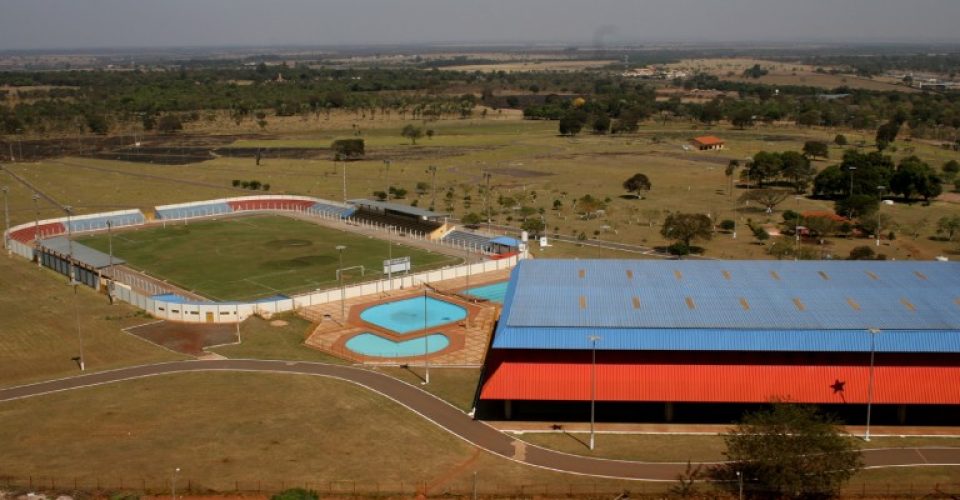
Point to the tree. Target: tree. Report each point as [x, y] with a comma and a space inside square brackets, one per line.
[913, 176]
[412, 132]
[685, 228]
[862, 252]
[168, 124]
[572, 122]
[948, 226]
[840, 140]
[742, 118]
[951, 169]
[886, 134]
[350, 149]
[471, 219]
[858, 205]
[767, 198]
[812, 149]
[637, 183]
[534, 226]
[601, 123]
[764, 166]
[732, 167]
[97, 124]
[798, 169]
[820, 226]
[786, 451]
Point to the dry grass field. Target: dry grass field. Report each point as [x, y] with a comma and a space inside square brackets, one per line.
[534, 65]
[783, 73]
[229, 429]
[315, 429]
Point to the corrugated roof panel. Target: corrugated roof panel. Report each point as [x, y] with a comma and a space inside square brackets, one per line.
[570, 381]
[540, 286]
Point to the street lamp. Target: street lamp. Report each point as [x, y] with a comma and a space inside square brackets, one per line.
[593, 385]
[173, 484]
[879, 195]
[343, 291]
[873, 334]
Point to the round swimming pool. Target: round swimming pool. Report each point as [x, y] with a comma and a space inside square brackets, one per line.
[405, 316]
[373, 345]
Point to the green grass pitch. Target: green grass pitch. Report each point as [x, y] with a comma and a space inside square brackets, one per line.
[246, 258]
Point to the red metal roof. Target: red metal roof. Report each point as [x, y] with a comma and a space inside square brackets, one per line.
[707, 383]
[707, 140]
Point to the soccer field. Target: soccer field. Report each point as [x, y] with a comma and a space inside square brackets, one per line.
[247, 258]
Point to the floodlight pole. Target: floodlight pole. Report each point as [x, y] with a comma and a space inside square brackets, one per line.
[173, 484]
[110, 246]
[593, 386]
[851, 169]
[486, 197]
[386, 177]
[426, 340]
[796, 232]
[6, 220]
[74, 283]
[879, 195]
[873, 333]
[740, 484]
[36, 228]
[390, 256]
[343, 164]
[343, 291]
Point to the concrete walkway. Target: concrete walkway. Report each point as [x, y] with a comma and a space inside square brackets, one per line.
[450, 418]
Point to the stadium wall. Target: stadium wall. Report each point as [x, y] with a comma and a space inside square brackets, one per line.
[18, 240]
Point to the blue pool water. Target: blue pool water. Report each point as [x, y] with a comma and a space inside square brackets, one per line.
[373, 345]
[493, 293]
[405, 316]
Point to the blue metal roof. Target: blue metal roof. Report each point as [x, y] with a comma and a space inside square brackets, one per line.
[732, 305]
[505, 241]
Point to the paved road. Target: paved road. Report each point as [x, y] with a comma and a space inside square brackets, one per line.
[449, 418]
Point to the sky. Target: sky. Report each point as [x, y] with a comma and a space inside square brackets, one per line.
[77, 24]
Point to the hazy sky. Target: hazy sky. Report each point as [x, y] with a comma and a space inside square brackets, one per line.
[42, 24]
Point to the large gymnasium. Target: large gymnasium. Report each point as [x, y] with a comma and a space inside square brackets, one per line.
[666, 341]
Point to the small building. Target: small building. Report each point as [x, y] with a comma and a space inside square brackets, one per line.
[707, 143]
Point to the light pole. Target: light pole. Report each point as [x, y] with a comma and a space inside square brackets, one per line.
[873, 334]
[343, 164]
[879, 195]
[426, 340]
[740, 484]
[74, 283]
[343, 291]
[432, 169]
[390, 256]
[486, 197]
[36, 228]
[6, 220]
[173, 484]
[796, 232]
[386, 177]
[851, 169]
[110, 246]
[593, 386]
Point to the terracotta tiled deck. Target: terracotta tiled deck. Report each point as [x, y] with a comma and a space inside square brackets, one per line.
[468, 338]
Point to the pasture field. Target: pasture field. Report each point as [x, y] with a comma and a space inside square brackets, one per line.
[246, 258]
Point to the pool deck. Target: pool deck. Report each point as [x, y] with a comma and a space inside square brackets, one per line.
[469, 338]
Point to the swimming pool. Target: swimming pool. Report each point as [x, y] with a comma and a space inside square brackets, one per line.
[373, 345]
[405, 316]
[493, 293]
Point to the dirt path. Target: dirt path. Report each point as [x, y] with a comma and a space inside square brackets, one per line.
[450, 418]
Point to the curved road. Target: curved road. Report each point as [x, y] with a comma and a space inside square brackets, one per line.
[449, 418]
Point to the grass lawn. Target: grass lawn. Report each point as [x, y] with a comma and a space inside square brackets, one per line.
[225, 429]
[680, 448]
[250, 257]
[38, 329]
[261, 340]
